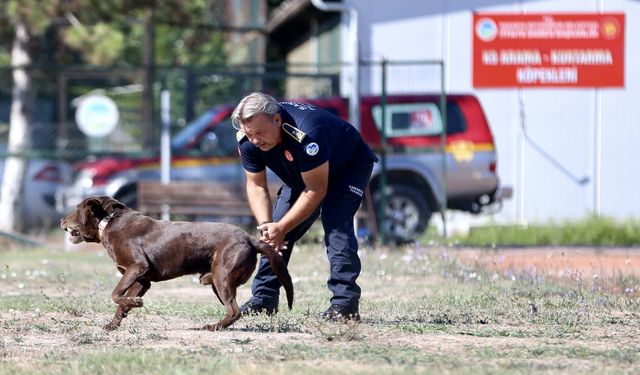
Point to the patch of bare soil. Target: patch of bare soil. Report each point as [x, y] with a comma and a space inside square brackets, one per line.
[560, 261]
[33, 336]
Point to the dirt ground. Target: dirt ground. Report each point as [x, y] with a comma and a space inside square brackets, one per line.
[558, 262]
[34, 334]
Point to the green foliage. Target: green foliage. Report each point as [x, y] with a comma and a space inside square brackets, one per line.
[592, 231]
[37, 14]
[101, 43]
[104, 33]
[180, 46]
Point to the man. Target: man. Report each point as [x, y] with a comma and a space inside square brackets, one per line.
[325, 166]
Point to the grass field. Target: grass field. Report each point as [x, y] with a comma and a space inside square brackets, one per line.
[424, 310]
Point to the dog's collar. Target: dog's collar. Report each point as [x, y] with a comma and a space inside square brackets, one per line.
[102, 225]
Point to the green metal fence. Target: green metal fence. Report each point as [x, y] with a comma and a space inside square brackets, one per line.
[386, 78]
[57, 91]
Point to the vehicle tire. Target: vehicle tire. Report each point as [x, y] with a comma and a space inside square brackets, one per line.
[407, 212]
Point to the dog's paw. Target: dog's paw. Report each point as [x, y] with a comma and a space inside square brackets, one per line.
[111, 326]
[212, 327]
[136, 302]
[130, 302]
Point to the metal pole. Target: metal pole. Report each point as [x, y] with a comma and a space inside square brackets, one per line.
[148, 61]
[354, 54]
[443, 149]
[522, 142]
[382, 209]
[522, 155]
[597, 164]
[165, 146]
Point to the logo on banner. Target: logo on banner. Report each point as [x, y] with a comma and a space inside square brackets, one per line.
[486, 29]
[610, 28]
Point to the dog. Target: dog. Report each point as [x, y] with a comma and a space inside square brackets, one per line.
[146, 250]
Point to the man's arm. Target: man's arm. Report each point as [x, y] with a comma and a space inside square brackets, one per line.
[316, 181]
[258, 195]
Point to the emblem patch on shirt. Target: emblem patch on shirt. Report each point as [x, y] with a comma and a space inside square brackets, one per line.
[288, 155]
[294, 132]
[312, 149]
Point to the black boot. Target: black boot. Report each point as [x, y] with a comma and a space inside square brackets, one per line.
[253, 308]
[339, 313]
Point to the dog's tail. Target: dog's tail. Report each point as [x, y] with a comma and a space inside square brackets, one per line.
[278, 265]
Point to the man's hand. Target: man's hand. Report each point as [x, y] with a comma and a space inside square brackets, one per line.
[273, 234]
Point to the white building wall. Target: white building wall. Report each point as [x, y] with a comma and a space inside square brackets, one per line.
[554, 175]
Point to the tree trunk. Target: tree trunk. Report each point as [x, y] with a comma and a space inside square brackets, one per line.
[15, 168]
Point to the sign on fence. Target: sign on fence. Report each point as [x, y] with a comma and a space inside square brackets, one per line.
[542, 50]
[97, 115]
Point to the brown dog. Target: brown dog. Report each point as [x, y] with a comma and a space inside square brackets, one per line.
[145, 250]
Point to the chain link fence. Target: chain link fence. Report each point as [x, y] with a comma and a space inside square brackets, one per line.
[194, 91]
[58, 91]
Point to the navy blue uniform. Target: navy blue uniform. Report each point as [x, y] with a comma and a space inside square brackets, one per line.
[312, 136]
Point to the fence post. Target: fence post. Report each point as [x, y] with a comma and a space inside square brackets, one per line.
[443, 149]
[165, 156]
[383, 158]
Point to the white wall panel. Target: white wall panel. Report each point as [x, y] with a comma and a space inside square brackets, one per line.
[562, 122]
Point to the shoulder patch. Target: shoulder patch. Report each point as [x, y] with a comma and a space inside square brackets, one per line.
[239, 135]
[312, 149]
[294, 132]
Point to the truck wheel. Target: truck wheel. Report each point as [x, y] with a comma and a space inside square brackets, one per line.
[407, 212]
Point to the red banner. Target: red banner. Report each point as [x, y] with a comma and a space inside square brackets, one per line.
[543, 50]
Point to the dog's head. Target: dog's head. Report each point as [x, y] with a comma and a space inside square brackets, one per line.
[83, 223]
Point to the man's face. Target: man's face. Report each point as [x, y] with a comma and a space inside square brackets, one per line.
[263, 130]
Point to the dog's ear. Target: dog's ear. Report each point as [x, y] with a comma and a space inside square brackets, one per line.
[95, 206]
[112, 205]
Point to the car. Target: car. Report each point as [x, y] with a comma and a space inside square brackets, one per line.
[419, 175]
[43, 178]
[203, 150]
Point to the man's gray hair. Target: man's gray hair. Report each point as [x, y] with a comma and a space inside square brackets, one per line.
[254, 104]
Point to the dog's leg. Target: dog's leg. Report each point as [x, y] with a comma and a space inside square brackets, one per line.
[138, 289]
[130, 276]
[227, 295]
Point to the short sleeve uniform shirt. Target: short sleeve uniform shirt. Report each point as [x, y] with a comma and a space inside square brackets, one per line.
[311, 136]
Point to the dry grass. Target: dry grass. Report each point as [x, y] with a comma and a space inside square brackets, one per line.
[425, 310]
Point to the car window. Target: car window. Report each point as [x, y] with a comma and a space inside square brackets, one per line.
[456, 122]
[184, 137]
[419, 119]
[409, 119]
[227, 144]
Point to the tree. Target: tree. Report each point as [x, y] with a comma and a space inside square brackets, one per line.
[100, 33]
[26, 22]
